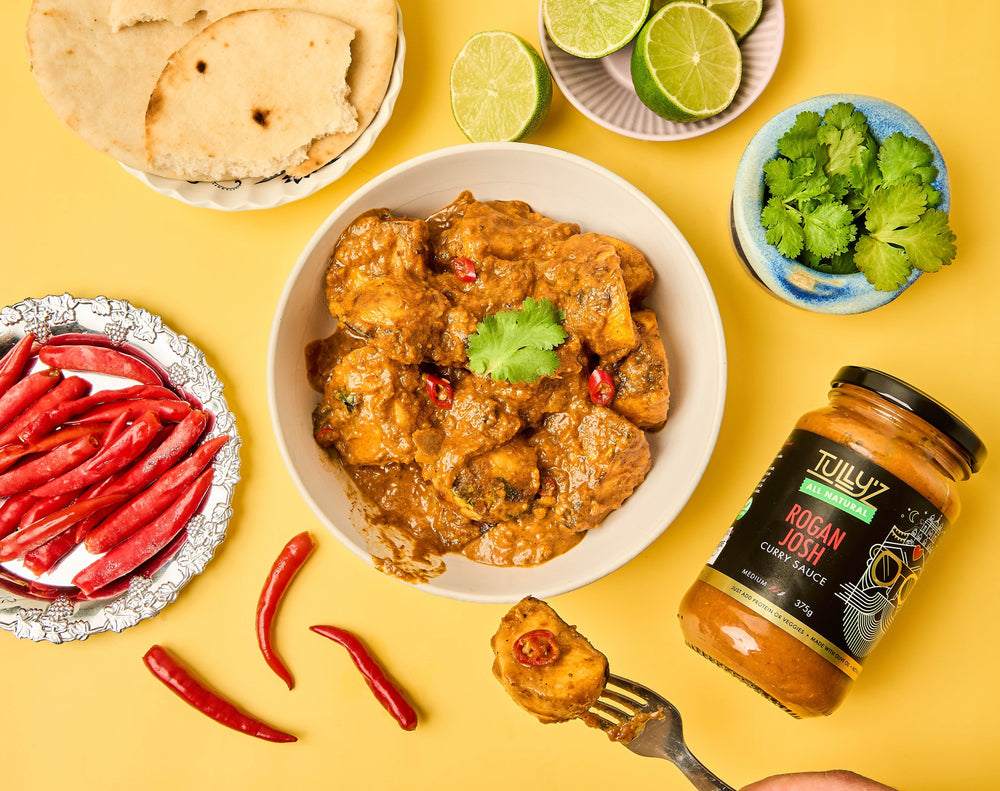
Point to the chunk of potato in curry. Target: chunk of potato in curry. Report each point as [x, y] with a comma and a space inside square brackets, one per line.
[562, 690]
[517, 471]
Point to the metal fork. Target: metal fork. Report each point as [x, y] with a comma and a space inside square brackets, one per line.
[653, 726]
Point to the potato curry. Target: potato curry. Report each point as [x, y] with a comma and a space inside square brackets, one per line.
[488, 383]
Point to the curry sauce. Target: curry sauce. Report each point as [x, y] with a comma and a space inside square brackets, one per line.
[831, 542]
[505, 471]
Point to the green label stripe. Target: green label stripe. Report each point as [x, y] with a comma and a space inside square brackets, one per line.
[848, 505]
[783, 620]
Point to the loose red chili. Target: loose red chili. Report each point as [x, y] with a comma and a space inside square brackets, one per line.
[387, 693]
[602, 388]
[180, 681]
[465, 268]
[535, 648]
[287, 564]
[440, 391]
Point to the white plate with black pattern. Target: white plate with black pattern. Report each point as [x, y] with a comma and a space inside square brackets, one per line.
[46, 607]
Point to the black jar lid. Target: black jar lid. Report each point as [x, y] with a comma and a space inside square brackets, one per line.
[920, 404]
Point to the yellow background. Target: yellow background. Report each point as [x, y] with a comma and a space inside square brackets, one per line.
[922, 715]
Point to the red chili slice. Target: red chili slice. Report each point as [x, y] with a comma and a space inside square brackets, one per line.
[535, 648]
[440, 391]
[465, 269]
[602, 388]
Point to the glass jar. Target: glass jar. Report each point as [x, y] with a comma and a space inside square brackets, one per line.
[829, 545]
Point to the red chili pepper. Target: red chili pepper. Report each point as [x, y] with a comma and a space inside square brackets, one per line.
[535, 648]
[47, 466]
[13, 362]
[151, 502]
[147, 569]
[34, 535]
[180, 681]
[22, 394]
[69, 388]
[387, 693]
[112, 457]
[602, 388]
[169, 410]
[12, 510]
[67, 410]
[440, 391]
[155, 461]
[286, 565]
[9, 454]
[98, 359]
[465, 268]
[146, 542]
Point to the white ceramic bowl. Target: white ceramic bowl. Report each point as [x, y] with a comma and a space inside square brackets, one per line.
[789, 280]
[564, 187]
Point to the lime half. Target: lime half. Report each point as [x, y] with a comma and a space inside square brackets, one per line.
[500, 88]
[593, 28]
[740, 15]
[686, 64]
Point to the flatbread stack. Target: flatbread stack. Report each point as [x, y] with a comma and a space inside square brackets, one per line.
[213, 90]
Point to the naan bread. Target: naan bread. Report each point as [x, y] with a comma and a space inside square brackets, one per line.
[124, 13]
[248, 95]
[96, 80]
[99, 80]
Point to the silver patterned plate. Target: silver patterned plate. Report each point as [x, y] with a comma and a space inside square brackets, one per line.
[56, 615]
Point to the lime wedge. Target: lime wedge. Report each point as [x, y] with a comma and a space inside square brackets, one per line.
[500, 88]
[686, 64]
[593, 28]
[740, 15]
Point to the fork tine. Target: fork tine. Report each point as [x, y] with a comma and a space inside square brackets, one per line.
[607, 708]
[602, 723]
[644, 694]
[621, 699]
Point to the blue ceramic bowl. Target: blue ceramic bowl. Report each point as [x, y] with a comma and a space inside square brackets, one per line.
[787, 279]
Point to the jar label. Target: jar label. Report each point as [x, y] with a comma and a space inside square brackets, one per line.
[827, 548]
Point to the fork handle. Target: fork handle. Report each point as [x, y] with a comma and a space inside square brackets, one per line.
[695, 771]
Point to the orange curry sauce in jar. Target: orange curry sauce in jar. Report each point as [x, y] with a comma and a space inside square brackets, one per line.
[829, 545]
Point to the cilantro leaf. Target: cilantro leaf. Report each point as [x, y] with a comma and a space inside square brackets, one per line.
[929, 243]
[798, 181]
[845, 148]
[895, 206]
[783, 228]
[844, 116]
[829, 229]
[863, 177]
[885, 266]
[902, 157]
[518, 345]
[800, 140]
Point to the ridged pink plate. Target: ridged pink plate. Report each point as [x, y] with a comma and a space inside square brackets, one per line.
[602, 90]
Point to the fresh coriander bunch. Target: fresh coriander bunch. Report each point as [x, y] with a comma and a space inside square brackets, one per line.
[839, 201]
